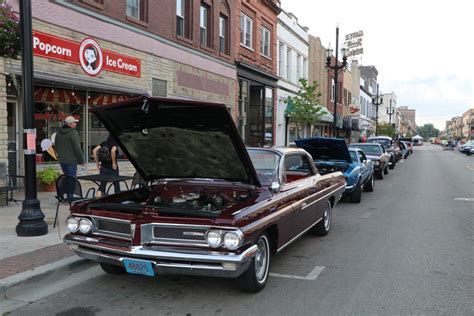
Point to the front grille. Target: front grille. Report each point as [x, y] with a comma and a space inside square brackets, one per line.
[114, 228]
[174, 234]
[179, 233]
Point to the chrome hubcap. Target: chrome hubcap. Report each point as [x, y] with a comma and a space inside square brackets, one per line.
[261, 260]
[327, 218]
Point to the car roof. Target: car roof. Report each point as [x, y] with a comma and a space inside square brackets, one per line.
[364, 144]
[380, 137]
[281, 150]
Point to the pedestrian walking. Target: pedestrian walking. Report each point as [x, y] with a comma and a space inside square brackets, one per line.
[68, 147]
[105, 157]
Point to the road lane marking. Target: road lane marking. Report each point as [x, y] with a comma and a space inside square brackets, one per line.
[464, 199]
[310, 277]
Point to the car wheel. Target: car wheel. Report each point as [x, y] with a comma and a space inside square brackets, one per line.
[468, 153]
[380, 174]
[256, 276]
[369, 186]
[112, 269]
[322, 228]
[385, 171]
[393, 164]
[356, 195]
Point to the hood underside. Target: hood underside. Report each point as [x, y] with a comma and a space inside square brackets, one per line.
[322, 148]
[167, 138]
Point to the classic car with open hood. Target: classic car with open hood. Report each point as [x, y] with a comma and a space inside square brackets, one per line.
[332, 154]
[377, 154]
[210, 207]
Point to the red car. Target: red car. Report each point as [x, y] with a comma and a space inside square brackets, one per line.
[210, 207]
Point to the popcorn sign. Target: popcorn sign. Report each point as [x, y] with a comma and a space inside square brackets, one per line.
[88, 54]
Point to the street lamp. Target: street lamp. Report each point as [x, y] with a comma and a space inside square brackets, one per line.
[390, 112]
[31, 217]
[336, 67]
[377, 101]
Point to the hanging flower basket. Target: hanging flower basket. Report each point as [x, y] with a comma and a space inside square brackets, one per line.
[9, 31]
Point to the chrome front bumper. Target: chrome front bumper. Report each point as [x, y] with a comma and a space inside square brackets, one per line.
[164, 261]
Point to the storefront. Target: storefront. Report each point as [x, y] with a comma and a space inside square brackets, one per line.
[256, 106]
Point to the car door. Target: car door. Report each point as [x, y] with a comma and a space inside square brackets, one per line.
[301, 179]
[364, 169]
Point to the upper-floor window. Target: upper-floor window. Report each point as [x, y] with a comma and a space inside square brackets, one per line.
[205, 26]
[288, 64]
[281, 58]
[137, 9]
[183, 18]
[246, 26]
[223, 34]
[333, 89]
[298, 67]
[305, 68]
[265, 42]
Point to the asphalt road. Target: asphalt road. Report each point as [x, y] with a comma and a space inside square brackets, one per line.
[408, 248]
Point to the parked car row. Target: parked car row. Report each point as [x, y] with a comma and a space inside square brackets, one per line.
[208, 205]
[467, 148]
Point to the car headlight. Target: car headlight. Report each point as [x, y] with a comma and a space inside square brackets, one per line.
[214, 238]
[85, 226]
[232, 240]
[72, 224]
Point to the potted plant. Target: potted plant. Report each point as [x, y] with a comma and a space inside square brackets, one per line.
[9, 31]
[48, 177]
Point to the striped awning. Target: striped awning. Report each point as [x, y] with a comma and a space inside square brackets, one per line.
[107, 98]
[43, 94]
[355, 124]
[347, 123]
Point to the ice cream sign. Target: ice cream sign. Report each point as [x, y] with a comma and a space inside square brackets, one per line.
[88, 54]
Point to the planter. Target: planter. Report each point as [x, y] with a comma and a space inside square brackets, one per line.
[49, 187]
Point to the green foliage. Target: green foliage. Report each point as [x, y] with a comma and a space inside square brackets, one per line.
[386, 129]
[9, 32]
[306, 109]
[427, 131]
[48, 175]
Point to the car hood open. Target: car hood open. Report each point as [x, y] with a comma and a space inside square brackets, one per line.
[323, 148]
[172, 138]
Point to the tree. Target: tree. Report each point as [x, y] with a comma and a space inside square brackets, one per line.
[305, 109]
[386, 129]
[427, 131]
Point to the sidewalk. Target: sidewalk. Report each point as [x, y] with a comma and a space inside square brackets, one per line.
[22, 259]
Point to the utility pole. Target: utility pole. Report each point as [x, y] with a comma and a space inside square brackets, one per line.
[31, 217]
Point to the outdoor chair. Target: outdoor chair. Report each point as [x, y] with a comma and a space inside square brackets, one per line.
[12, 183]
[68, 191]
[137, 181]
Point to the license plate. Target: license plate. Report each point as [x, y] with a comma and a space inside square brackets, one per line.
[139, 267]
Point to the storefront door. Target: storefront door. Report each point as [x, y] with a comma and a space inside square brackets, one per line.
[12, 141]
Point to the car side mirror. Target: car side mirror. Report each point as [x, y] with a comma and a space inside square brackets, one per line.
[275, 187]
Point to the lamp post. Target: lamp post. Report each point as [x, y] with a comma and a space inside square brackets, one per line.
[31, 217]
[336, 67]
[377, 101]
[390, 112]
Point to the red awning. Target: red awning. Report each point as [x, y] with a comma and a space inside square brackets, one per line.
[106, 98]
[43, 94]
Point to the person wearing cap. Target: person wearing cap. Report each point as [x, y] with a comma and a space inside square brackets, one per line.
[68, 147]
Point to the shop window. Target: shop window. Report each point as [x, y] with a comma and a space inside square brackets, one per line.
[159, 87]
[137, 9]
[265, 42]
[205, 26]
[224, 35]
[52, 106]
[183, 18]
[246, 27]
[268, 117]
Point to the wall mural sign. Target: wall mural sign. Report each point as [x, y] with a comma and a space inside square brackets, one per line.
[353, 42]
[88, 54]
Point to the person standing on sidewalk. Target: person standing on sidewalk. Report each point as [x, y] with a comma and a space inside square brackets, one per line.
[68, 147]
[105, 156]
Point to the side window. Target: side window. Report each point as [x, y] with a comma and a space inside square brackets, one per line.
[297, 167]
[361, 156]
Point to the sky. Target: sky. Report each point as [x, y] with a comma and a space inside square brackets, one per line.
[422, 49]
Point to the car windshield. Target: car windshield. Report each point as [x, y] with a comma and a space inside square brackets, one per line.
[266, 164]
[369, 150]
[353, 155]
[381, 141]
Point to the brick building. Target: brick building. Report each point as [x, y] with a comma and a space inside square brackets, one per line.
[95, 52]
[255, 42]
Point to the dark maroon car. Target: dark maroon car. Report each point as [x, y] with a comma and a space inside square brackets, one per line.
[210, 207]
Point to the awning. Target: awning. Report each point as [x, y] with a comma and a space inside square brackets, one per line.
[107, 98]
[43, 94]
[347, 123]
[355, 124]
[290, 107]
[325, 116]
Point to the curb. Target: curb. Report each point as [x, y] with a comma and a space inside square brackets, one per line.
[30, 275]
